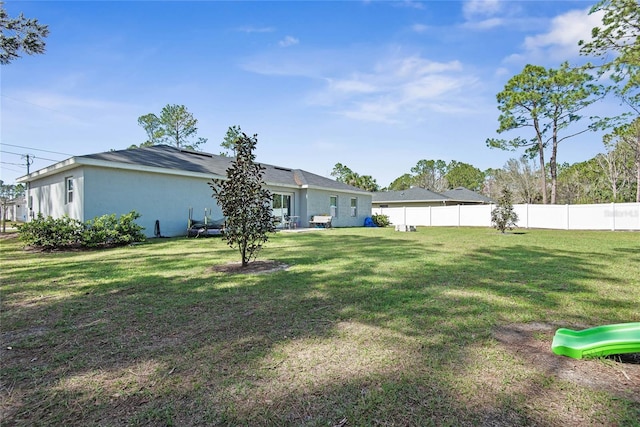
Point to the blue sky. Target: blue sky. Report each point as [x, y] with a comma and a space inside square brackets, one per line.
[374, 85]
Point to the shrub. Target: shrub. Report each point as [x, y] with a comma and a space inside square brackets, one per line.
[100, 231]
[127, 230]
[49, 233]
[381, 220]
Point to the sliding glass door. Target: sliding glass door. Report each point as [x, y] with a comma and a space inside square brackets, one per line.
[281, 204]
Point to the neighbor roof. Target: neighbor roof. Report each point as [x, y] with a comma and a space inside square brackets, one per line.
[168, 158]
[462, 194]
[415, 194]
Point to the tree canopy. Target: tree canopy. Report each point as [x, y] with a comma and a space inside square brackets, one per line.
[438, 176]
[19, 35]
[617, 43]
[344, 174]
[229, 141]
[464, 175]
[548, 101]
[175, 126]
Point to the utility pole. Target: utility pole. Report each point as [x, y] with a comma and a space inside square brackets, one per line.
[27, 196]
[29, 160]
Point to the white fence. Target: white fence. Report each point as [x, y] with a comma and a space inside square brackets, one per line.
[611, 216]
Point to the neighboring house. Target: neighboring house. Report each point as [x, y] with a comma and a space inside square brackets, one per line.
[421, 197]
[163, 183]
[411, 197]
[17, 209]
[464, 196]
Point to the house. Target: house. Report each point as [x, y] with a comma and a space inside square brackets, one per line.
[164, 183]
[421, 197]
[419, 206]
[411, 197]
[464, 196]
[16, 209]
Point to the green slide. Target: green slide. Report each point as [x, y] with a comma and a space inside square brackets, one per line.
[599, 341]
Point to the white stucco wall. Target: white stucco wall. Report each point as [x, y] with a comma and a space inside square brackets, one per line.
[318, 204]
[155, 196]
[47, 195]
[167, 197]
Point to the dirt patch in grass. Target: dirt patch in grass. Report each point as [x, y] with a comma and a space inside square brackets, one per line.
[619, 375]
[255, 267]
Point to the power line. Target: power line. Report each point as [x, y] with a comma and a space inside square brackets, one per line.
[38, 105]
[37, 149]
[20, 154]
[4, 168]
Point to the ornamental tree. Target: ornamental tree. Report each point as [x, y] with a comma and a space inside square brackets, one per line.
[245, 203]
[503, 217]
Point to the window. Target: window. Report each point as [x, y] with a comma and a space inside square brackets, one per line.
[68, 184]
[333, 206]
[281, 204]
[354, 206]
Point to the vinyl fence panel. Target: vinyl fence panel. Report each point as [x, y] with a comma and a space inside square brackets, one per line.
[609, 216]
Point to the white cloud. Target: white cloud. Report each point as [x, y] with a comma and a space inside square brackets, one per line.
[560, 41]
[483, 14]
[251, 29]
[288, 41]
[397, 89]
[485, 24]
[481, 8]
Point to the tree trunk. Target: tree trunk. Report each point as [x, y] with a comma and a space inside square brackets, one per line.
[543, 177]
[553, 167]
[637, 169]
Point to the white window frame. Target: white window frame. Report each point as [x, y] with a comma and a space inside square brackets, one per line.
[333, 208]
[68, 189]
[354, 207]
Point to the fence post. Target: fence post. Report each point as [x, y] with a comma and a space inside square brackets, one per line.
[459, 215]
[613, 216]
[567, 214]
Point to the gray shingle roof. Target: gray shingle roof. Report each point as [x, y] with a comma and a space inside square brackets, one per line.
[415, 194]
[168, 157]
[462, 194]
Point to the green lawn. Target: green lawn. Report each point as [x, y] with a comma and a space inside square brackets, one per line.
[444, 326]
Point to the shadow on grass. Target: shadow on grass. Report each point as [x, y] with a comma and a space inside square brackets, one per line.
[367, 327]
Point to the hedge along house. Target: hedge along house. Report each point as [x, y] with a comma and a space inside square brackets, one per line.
[162, 183]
